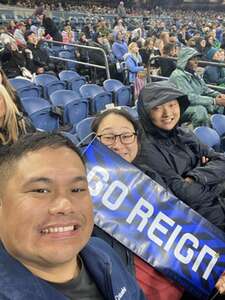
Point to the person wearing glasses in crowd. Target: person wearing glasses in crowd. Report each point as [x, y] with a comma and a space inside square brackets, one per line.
[120, 132]
[116, 129]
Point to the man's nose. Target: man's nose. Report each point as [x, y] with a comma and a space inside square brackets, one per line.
[61, 205]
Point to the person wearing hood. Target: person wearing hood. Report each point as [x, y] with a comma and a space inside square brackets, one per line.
[203, 100]
[215, 74]
[119, 47]
[191, 170]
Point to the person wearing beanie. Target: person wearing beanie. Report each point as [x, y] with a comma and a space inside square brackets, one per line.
[203, 100]
[215, 74]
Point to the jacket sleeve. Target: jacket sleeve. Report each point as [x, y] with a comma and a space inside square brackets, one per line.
[211, 173]
[132, 67]
[193, 194]
[183, 84]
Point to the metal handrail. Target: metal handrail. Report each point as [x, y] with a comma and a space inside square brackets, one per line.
[106, 66]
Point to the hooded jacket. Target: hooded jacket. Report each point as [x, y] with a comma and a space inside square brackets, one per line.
[105, 268]
[177, 154]
[191, 83]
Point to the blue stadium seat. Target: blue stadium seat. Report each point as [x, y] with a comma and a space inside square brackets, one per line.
[68, 55]
[49, 83]
[131, 110]
[72, 137]
[208, 136]
[73, 79]
[25, 88]
[75, 107]
[122, 94]
[218, 123]
[83, 129]
[40, 112]
[98, 97]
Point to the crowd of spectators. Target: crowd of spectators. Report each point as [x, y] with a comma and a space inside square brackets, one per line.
[165, 42]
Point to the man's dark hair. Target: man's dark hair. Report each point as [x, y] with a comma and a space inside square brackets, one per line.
[31, 143]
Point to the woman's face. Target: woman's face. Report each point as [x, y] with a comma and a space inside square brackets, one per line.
[117, 133]
[165, 116]
[135, 48]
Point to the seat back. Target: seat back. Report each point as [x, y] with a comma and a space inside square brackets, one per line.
[122, 94]
[208, 136]
[44, 79]
[75, 107]
[83, 129]
[111, 85]
[40, 112]
[73, 79]
[218, 123]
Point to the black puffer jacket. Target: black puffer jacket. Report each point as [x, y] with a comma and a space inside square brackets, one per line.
[177, 154]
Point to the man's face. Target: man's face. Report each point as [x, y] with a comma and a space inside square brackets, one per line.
[193, 63]
[46, 210]
[32, 38]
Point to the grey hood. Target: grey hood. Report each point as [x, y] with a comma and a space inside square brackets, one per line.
[185, 54]
[158, 93]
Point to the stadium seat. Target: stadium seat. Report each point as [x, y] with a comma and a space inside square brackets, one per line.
[73, 80]
[122, 94]
[75, 107]
[72, 137]
[40, 112]
[49, 83]
[25, 88]
[132, 111]
[208, 136]
[67, 54]
[83, 129]
[98, 97]
[218, 123]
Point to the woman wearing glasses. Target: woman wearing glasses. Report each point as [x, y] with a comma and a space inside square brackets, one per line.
[119, 131]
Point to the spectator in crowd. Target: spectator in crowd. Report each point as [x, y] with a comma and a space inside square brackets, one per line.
[5, 36]
[149, 51]
[88, 29]
[102, 27]
[15, 62]
[133, 61]
[117, 130]
[200, 44]
[39, 55]
[50, 27]
[19, 34]
[164, 39]
[191, 170]
[68, 35]
[215, 74]
[12, 123]
[119, 27]
[182, 35]
[11, 27]
[47, 251]
[119, 47]
[167, 66]
[121, 11]
[203, 100]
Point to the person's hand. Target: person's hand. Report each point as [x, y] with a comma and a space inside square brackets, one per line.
[220, 285]
[188, 179]
[204, 160]
[220, 99]
[40, 70]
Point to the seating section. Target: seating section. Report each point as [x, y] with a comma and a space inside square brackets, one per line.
[72, 79]
[83, 129]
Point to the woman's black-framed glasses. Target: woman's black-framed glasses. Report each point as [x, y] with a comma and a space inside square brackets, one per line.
[125, 138]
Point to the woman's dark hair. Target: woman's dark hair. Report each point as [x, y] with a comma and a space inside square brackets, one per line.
[168, 48]
[116, 111]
